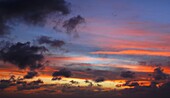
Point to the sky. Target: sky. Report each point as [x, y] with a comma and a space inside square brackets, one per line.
[69, 48]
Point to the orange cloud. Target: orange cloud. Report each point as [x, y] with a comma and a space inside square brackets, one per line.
[142, 68]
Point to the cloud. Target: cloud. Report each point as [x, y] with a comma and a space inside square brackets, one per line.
[166, 86]
[63, 72]
[30, 75]
[73, 22]
[49, 41]
[100, 79]
[153, 84]
[74, 82]
[4, 84]
[32, 85]
[134, 52]
[23, 55]
[131, 84]
[127, 74]
[29, 11]
[56, 78]
[159, 74]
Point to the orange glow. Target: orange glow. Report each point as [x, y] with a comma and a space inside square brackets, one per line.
[134, 52]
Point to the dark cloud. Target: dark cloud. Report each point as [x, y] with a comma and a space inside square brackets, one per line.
[159, 74]
[131, 84]
[87, 81]
[153, 60]
[90, 84]
[127, 74]
[99, 85]
[4, 84]
[37, 82]
[21, 82]
[166, 86]
[100, 79]
[56, 78]
[23, 55]
[29, 11]
[49, 41]
[30, 74]
[74, 82]
[32, 85]
[153, 84]
[73, 22]
[63, 72]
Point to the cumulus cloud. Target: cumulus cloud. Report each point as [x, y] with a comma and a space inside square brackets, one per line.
[127, 74]
[49, 41]
[23, 55]
[29, 11]
[63, 72]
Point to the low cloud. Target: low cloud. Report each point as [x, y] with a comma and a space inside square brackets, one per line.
[131, 84]
[100, 79]
[159, 74]
[32, 85]
[30, 75]
[63, 72]
[127, 74]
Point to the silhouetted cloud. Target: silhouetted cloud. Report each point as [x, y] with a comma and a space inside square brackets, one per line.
[73, 22]
[166, 86]
[153, 84]
[32, 85]
[131, 84]
[56, 78]
[30, 75]
[127, 74]
[159, 74]
[74, 82]
[23, 55]
[100, 79]
[63, 72]
[39, 81]
[49, 41]
[29, 11]
[4, 84]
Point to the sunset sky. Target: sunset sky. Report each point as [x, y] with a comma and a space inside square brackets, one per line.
[98, 47]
